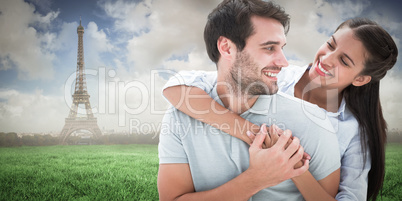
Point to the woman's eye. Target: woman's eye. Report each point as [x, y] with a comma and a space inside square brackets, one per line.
[330, 46]
[344, 62]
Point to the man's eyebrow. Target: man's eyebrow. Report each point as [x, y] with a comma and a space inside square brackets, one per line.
[347, 56]
[272, 43]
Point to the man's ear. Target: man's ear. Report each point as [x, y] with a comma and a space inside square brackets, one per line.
[226, 47]
[361, 80]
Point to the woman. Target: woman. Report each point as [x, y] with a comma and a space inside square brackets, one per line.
[343, 80]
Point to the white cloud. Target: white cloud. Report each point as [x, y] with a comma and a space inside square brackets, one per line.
[96, 42]
[130, 16]
[334, 13]
[21, 45]
[67, 38]
[44, 21]
[98, 38]
[20, 112]
[303, 39]
[391, 99]
[165, 29]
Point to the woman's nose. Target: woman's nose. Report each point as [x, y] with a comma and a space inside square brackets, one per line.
[328, 60]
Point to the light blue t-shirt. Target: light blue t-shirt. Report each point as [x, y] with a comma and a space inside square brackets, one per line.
[354, 173]
[216, 157]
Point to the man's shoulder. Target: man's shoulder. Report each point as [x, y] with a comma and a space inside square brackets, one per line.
[282, 101]
[172, 115]
[201, 79]
[295, 112]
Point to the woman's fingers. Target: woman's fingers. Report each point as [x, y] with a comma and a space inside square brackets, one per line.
[251, 136]
[258, 141]
[273, 133]
[267, 141]
[263, 131]
[278, 132]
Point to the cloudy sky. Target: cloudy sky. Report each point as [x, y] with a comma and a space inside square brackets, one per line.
[131, 47]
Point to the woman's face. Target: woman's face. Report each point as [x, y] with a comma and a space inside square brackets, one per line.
[339, 61]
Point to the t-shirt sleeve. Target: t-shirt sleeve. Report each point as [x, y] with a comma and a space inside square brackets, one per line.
[354, 173]
[170, 148]
[204, 80]
[326, 158]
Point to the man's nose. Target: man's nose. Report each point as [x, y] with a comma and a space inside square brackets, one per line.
[280, 60]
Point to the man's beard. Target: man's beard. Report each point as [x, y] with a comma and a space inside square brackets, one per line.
[245, 78]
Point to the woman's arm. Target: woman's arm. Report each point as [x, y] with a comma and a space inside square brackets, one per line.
[196, 103]
[311, 189]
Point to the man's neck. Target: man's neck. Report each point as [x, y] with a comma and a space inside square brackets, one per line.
[236, 102]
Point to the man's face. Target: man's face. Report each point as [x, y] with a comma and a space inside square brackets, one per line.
[255, 69]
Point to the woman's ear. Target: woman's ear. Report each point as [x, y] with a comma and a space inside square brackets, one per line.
[361, 80]
[225, 47]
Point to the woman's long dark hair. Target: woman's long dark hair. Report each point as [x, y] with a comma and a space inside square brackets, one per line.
[364, 101]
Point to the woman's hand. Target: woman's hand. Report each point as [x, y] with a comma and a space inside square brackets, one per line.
[273, 132]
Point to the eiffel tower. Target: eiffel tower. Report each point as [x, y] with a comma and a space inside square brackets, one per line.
[80, 96]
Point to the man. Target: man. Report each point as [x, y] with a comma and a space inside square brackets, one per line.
[198, 162]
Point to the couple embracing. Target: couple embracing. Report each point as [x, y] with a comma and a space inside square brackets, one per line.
[257, 129]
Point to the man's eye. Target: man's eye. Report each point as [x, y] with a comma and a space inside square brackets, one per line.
[269, 48]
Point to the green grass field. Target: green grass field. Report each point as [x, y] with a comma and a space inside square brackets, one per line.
[392, 188]
[114, 172]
